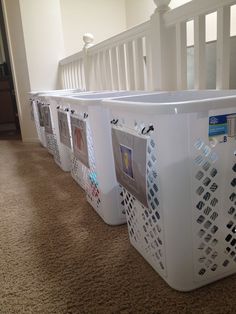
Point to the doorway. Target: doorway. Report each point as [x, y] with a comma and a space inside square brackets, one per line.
[9, 121]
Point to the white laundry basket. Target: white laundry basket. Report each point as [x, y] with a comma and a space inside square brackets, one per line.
[175, 156]
[60, 115]
[92, 167]
[37, 102]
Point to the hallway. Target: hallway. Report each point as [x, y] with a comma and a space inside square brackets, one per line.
[57, 256]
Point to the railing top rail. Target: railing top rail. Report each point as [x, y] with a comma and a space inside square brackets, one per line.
[125, 36]
[194, 8]
[75, 57]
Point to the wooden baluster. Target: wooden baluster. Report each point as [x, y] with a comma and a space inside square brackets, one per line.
[108, 69]
[114, 69]
[181, 55]
[223, 48]
[200, 52]
[130, 65]
[121, 67]
[139, 64]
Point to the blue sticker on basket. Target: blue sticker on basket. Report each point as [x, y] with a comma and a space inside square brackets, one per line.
[219, 127]
[127, 163]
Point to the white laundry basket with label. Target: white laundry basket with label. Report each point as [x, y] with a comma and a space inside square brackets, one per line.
[60, 114]
[92, 167]
[175, 156]
[37, 101]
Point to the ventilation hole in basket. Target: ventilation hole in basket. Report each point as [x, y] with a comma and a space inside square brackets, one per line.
[232, 254]
[208, 237]
[214, 216]
[214, 201]
[152, 143]
[202, 259]
[200, 219]
[199, 175]
[155, 187]
[206, 181]
[200, 190]
[202, 271]
[214, 229]
[230, 225]
[232, 197]
[199, 144]
[200, 205]
[227, 250]
[214, 242]
[153, 158]
[207, 224]
[234, 168]
[233, 182]
[201, 233]
[151, 192]
[214, 267]
[228, 238]
[208, 250]
[233, 242]
[231, 210]
[156, 202]
[234, 229]
[214, 255]
[213, 157]
[207, 210]
[199, 160]
[213, 172]
[225, 263]
[202, 246]
[207, 196]
[206, 166]
[213, 187]
[206, 150]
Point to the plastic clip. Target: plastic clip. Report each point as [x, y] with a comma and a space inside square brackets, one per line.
[114, 121]
[85, 115]
[144, 131]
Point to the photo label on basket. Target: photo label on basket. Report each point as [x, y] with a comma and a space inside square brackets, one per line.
[79, 138]
[40, 113]
[47, 119]
[64, 128]
[130, 156]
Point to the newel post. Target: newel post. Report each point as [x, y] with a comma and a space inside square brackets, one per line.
[161, 50]
[88, 42]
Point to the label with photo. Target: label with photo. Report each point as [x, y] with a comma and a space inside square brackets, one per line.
[64, 128]
[79, 138]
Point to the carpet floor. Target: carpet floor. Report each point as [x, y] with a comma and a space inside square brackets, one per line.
[57, 255]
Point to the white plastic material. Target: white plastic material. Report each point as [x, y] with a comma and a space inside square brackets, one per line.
[188, 231]
[58, 103]
[98, 180]
[36, 102]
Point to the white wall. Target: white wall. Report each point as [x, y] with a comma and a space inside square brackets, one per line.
[102, 18]
[43, 37]
[35, 39]
[139, 11]
[13, 22]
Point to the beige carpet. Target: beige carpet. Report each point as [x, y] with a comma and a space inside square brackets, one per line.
[57, 256]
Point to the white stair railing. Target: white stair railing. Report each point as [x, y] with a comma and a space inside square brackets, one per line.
[153, 55]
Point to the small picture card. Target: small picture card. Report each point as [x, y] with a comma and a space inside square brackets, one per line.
[127, 160]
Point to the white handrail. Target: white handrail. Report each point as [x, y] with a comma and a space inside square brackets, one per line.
[153, 55]
[194, 8]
